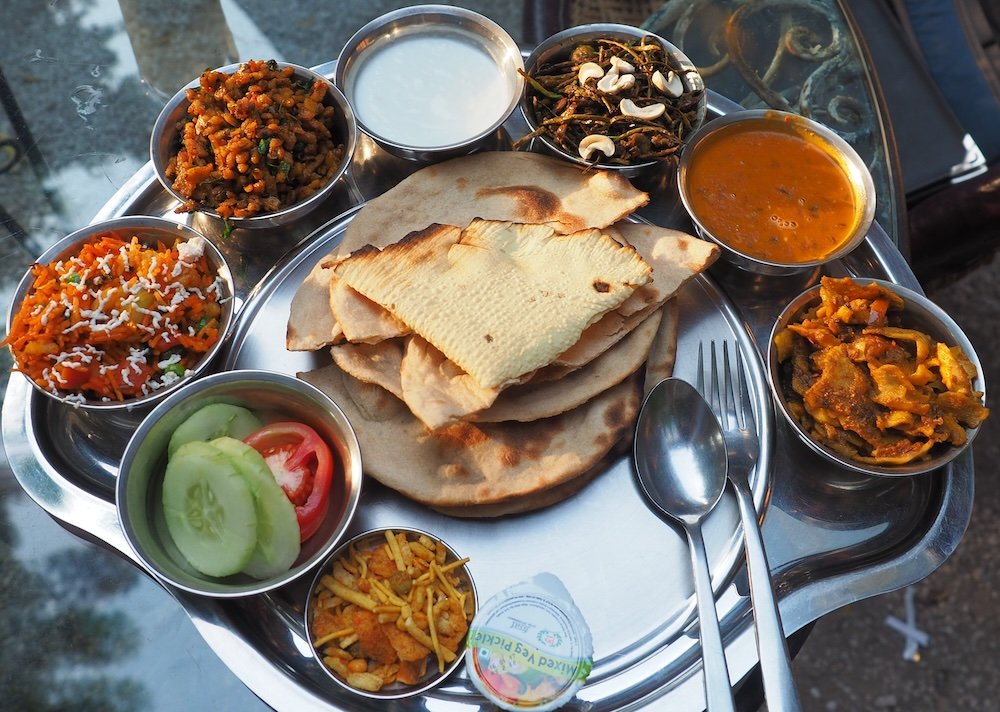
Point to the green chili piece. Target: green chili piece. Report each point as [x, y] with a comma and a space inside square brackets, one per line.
[176, 369]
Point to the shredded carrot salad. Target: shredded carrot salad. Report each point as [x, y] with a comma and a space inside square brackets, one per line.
[119, 320]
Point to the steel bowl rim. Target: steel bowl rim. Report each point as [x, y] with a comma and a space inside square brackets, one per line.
[220, 380]
[854, 166]
[563, 38]
[178, 231]
[411, 691]
[411, 17]
[955, 335]
[162, 128]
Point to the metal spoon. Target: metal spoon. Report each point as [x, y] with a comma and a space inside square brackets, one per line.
[680, 457]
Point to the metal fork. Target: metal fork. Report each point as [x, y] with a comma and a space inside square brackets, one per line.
[743, 446]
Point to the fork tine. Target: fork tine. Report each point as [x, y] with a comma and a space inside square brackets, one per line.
[746, 405]
[700, 381]
[715, 398]
[732, 415]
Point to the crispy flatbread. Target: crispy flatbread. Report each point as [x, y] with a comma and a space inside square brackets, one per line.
[449, 286]
[533, 401]
[311, 324]
[361, 320]
[497, 185]
[438, 393]
[467, 463]
[675, 256]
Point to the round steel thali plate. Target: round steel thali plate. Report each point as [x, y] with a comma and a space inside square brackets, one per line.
[830, 544]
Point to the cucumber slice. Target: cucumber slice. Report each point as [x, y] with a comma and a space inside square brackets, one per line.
[277, 526]
[209, 510]
[214, 421]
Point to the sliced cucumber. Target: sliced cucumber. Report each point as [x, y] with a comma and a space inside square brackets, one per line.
[277, 526]
[209, 509]
[214, 421]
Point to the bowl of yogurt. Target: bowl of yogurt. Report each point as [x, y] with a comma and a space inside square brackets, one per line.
[430, 82]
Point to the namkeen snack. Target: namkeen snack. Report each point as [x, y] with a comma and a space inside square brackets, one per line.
[118, 320]
[865, 385]
[254, 141]
[392, 609]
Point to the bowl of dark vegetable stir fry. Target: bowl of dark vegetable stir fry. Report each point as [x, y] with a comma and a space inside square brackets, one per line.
[611, 96]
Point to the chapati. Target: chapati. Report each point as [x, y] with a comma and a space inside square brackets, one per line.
[497, 185]
[468, 463]
[311, 324]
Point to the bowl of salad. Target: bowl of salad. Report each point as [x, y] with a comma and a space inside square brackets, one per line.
[119, 313]
[238, 483]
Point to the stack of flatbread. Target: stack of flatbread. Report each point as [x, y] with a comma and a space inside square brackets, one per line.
[492, 323]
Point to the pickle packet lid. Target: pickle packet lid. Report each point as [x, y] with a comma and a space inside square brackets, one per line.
[529, 647]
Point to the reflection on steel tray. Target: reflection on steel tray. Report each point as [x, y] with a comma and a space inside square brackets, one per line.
[831, 539]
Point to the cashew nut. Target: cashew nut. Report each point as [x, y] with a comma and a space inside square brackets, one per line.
[647, 113]
[613, 82]
[671, 85]
[621, 65]
[589, 70]
[596, 142]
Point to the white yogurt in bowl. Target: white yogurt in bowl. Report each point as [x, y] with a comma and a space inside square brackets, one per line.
[430, 79]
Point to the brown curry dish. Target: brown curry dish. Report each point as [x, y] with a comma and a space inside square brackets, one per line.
[863, 384]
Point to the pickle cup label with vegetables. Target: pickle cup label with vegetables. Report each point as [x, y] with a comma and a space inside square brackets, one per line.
[529, 646]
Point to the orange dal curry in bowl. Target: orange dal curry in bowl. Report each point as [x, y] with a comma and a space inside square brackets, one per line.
[773, 188]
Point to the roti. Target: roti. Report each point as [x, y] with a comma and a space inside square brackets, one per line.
[311, 323]
[498, 185]
[479, 464]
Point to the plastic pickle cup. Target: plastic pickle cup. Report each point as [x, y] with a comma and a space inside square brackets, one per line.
[529, 646]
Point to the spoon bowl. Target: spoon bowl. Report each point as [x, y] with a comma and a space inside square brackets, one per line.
[680, 451]
[681, 462]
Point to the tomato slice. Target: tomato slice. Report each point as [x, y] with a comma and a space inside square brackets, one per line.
[302, 463]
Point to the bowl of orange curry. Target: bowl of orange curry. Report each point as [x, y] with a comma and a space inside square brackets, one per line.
[876, 377]
[779, 193]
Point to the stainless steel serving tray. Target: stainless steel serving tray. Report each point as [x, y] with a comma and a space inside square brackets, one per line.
[832, 538]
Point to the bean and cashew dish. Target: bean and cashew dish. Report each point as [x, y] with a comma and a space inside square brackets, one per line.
[615, 102]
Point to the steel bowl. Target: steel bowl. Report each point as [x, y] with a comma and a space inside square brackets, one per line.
[849, 160]
[274, 396]
[396, 690]
[151, 232]
[560, 45]
[164, 141]
[918, 313]
[365, 54]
